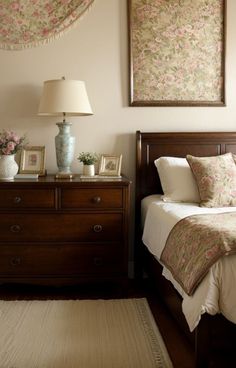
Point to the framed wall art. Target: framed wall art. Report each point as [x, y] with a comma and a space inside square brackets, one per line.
[177, 52]
[110, 165]
[32, 160]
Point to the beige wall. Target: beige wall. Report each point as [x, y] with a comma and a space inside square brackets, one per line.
[96, 51]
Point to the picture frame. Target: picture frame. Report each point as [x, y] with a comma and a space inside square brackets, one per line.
[32, 160]
[110, 165]
[177, 52]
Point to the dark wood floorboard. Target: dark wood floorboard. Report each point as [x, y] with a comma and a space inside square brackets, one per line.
[178, 348]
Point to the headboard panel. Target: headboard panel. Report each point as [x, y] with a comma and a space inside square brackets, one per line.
[152, 145]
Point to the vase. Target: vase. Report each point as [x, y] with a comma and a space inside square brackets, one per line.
[65, 145]
[8, 167]
[89, 170]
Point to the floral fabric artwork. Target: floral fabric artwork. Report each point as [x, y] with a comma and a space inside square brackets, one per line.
[177, 51]
[216, 179]
[195, 243]
[25, 23]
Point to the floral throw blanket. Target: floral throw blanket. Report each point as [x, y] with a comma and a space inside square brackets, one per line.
[195, 243]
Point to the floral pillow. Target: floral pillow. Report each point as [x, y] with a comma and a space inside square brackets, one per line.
[216, 179]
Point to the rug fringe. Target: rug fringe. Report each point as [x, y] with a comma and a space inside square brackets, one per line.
[149, 324]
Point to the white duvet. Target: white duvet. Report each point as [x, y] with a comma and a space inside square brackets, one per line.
[217, 291]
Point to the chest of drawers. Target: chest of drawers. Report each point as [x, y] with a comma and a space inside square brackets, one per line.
[64, 231]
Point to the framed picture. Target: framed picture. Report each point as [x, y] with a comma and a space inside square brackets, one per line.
[32, 160]
[110, 165]
[177, 52]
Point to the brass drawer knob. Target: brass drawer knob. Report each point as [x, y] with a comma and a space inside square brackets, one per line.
[15, 261]
[97, 228]
[15, 228]
[97, 199]
[17, 200]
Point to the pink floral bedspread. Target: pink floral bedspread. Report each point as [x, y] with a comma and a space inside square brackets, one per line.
[195, 243]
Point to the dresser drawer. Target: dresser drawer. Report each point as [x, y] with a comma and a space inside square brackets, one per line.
[27, 198]
[60, 260]
[61, 227]
[92, 198]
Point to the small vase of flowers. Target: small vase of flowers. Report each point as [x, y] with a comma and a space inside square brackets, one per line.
[88, 159]
[10, 143]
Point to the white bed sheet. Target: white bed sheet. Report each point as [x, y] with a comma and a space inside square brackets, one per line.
[217, 292]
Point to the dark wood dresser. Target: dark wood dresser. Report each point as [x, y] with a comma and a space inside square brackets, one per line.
[64, 231]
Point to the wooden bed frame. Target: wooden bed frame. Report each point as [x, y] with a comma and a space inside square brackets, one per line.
[212, 331]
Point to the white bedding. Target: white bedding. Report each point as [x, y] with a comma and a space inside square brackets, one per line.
[217, 292]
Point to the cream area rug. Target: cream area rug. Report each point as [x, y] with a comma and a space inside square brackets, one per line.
[117, 333]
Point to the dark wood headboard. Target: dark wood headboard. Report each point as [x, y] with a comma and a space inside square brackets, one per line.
[152, 145]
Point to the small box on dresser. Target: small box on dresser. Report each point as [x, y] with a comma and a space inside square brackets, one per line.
[64, 231]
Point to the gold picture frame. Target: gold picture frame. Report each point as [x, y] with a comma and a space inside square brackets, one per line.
[32, 160]
[110, 165]
[177, 52]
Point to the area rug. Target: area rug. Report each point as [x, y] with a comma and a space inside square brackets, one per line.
[117, 333]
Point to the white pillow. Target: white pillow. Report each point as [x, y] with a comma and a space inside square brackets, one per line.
[177, 180]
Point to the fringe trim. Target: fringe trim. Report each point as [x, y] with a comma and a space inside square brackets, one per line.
[45, 41]
[153, 335]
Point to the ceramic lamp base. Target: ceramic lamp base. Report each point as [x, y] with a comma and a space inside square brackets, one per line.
[65, 145]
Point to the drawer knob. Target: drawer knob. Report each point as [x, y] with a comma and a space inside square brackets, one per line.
[17, 199]
[15, 261]
[98, 261]
[97, 199]
[97, 228]
[15, 228]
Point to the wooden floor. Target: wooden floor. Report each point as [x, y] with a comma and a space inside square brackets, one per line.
[178, 347]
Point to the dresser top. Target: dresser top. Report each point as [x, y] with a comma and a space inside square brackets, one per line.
[50, 180]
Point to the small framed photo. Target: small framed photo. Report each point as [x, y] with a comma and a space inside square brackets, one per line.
[110, 165]
[32, 160]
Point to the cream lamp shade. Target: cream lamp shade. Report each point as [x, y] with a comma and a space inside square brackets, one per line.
[66, 98]
[62, 96]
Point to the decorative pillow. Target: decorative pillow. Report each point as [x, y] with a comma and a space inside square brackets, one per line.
[216, 179]
[177, 180]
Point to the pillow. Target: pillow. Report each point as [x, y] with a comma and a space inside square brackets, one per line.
[216, 179]
[177, 180]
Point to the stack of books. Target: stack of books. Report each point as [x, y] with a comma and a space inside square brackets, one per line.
[100, 177]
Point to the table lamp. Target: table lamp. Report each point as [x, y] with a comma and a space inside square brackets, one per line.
[62, 97]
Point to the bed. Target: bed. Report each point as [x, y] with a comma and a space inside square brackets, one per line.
[212, 333]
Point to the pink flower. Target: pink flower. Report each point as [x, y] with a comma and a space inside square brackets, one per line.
[36, 13]
[11, 145]
[45, 32]
[49, 8]
[54, 20]
[10, 142]
[15, 5]
[212, 252]
[13, 137]
[26, 36]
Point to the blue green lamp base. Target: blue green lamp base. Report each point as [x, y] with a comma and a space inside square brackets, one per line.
[65, 146]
